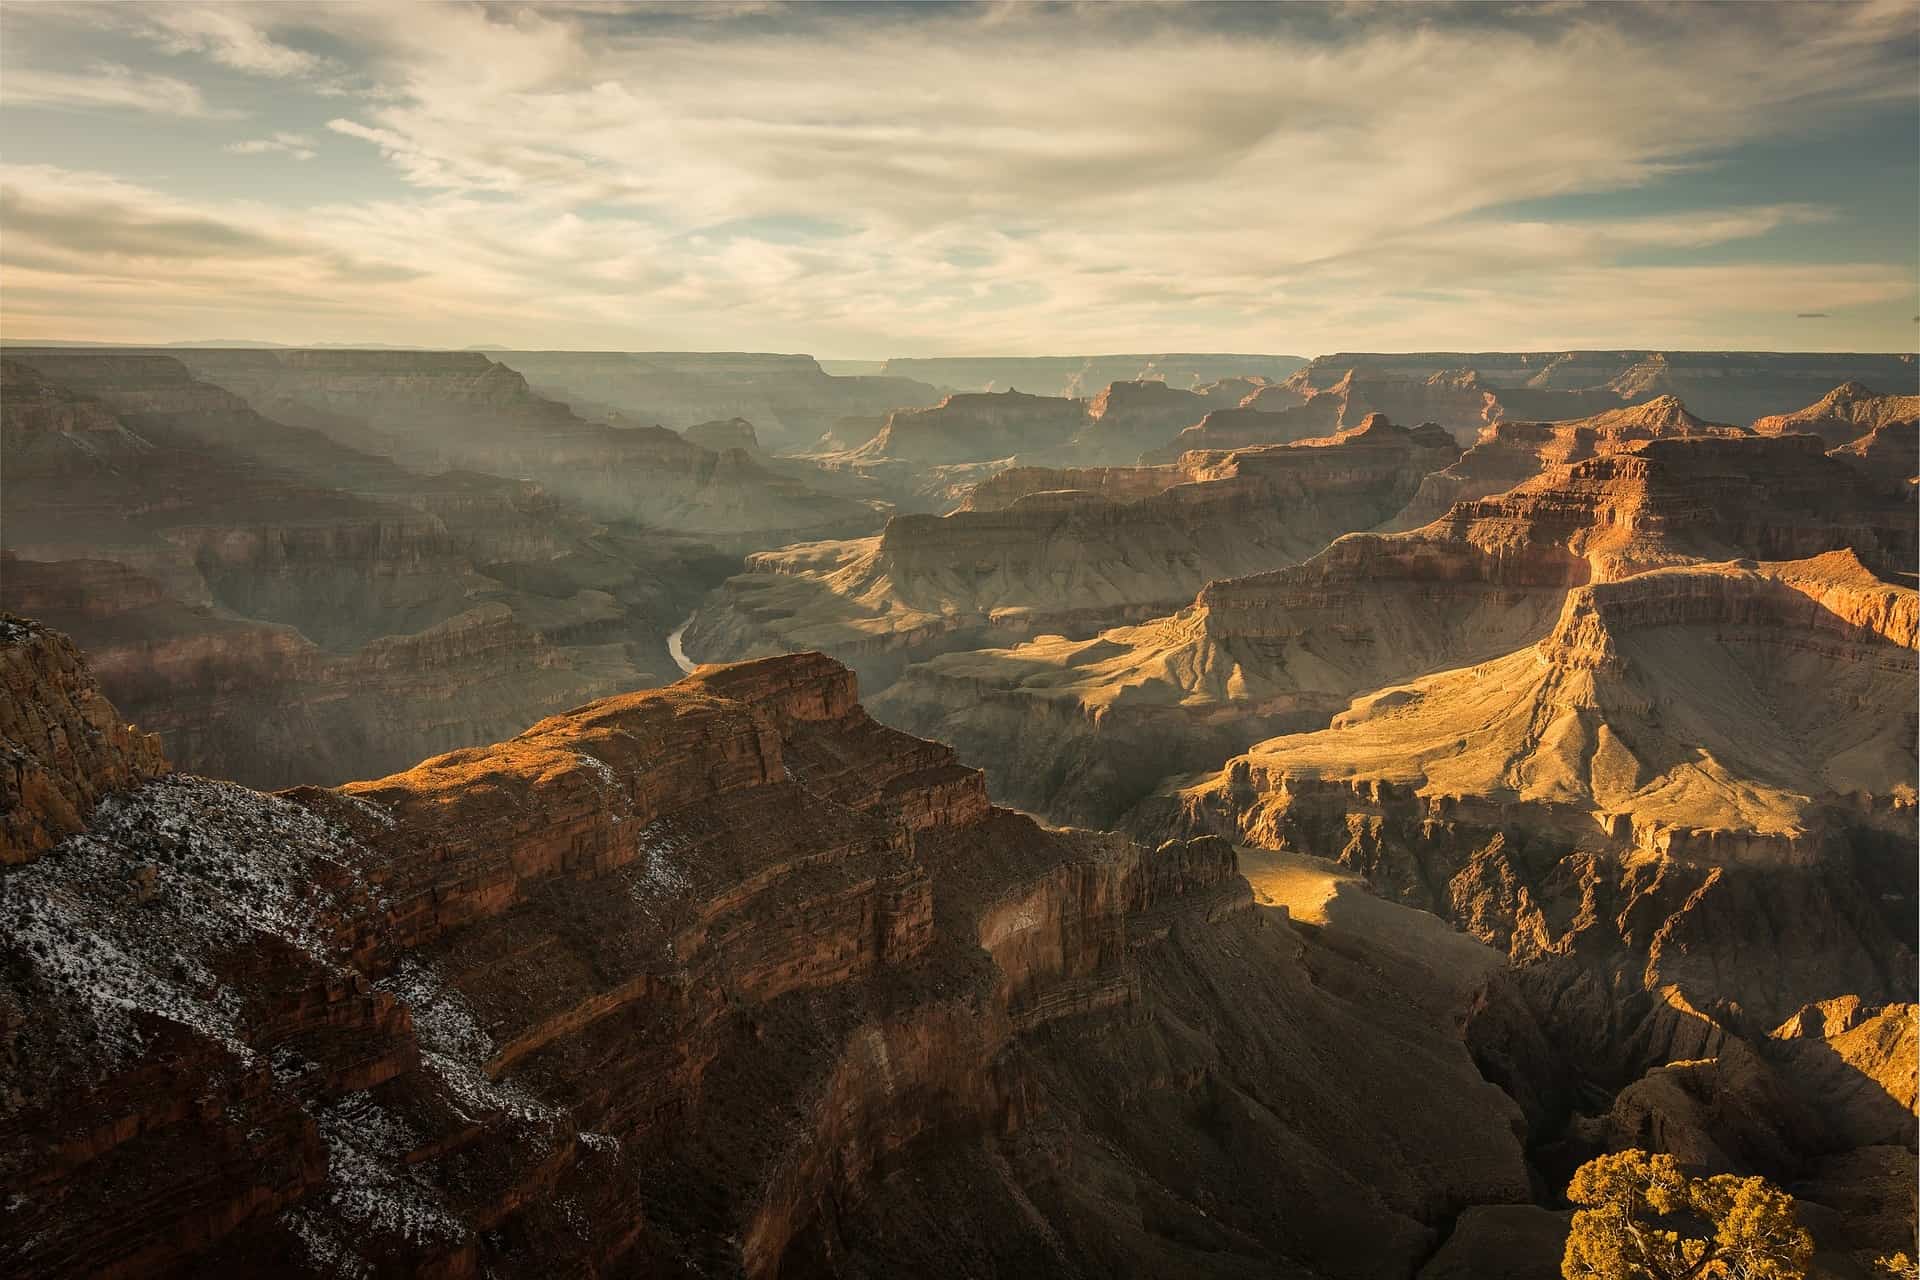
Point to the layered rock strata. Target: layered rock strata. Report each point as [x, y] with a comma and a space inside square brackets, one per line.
[283, 608]
[436, 410]
[1103, 546]
[1687, 814]
[718, 978]
[1096, 723]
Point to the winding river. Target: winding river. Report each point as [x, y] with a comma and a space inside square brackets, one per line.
[675, 649]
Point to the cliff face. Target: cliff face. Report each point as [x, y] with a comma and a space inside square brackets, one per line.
[433, 410]
[62, 745]
[283, 608]
[1733, 386]
[1287, 649]
[1511, 453]
[1686, 814]
[721, 977]
[1107, 546]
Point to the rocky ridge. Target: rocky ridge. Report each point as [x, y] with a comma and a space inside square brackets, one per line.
[720, 977]
[1094, 548]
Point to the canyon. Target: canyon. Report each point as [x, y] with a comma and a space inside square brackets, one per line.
[281, 607]
[1038, 549]
[1082, 729]
[722, 976]
[1190, 815]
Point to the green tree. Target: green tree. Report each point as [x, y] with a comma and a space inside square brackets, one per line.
[1641, 1218]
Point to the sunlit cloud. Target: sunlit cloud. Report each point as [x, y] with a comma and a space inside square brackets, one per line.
[1007, 178]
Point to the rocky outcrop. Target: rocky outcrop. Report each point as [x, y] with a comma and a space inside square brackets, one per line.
[1129, 418]
[1511, 453]
[1844, 415]
[977, 427]
[1286, 650]
[724, 434]
[723, 977]
[63, 747]
[1110, 546]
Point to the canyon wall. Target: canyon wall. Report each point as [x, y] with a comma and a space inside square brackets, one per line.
[281, 607]
[724, 977]
[1105, 547]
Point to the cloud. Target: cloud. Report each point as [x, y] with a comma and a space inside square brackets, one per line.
[227, 34]
[1810, 315]
[297, 145]
[107, 86]
[1019, 177]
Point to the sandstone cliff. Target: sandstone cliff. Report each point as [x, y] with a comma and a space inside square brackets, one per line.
[1105, 546]
[1511, 453]
[718, 978]
[1096, 722]
[1687, 814]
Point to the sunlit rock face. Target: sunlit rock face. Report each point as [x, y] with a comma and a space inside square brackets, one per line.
[1097, 723]
[1037, 550]
[724, 971]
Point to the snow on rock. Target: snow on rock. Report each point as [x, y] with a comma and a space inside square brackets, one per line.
[128, 920]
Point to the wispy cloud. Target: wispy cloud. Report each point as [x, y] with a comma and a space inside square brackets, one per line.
[234, 36]
[106, 86]
[297, 145]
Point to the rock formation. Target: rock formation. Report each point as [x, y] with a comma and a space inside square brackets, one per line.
[1844, 415]
[791, 398]
[1688, 816]
[1081, 729]
[434, 410]
[283, 608]
[1062, 550]
[724, 434]
[724, 978]
[1512, 453]
[1735, 386]
[977, 427]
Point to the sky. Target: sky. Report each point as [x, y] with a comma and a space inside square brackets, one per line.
[858, 181]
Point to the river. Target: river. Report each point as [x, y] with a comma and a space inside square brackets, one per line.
[674, 648]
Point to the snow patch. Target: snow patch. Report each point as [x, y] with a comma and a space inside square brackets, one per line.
[130, 918]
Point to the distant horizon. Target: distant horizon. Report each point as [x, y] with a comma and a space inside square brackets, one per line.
[243, 344]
